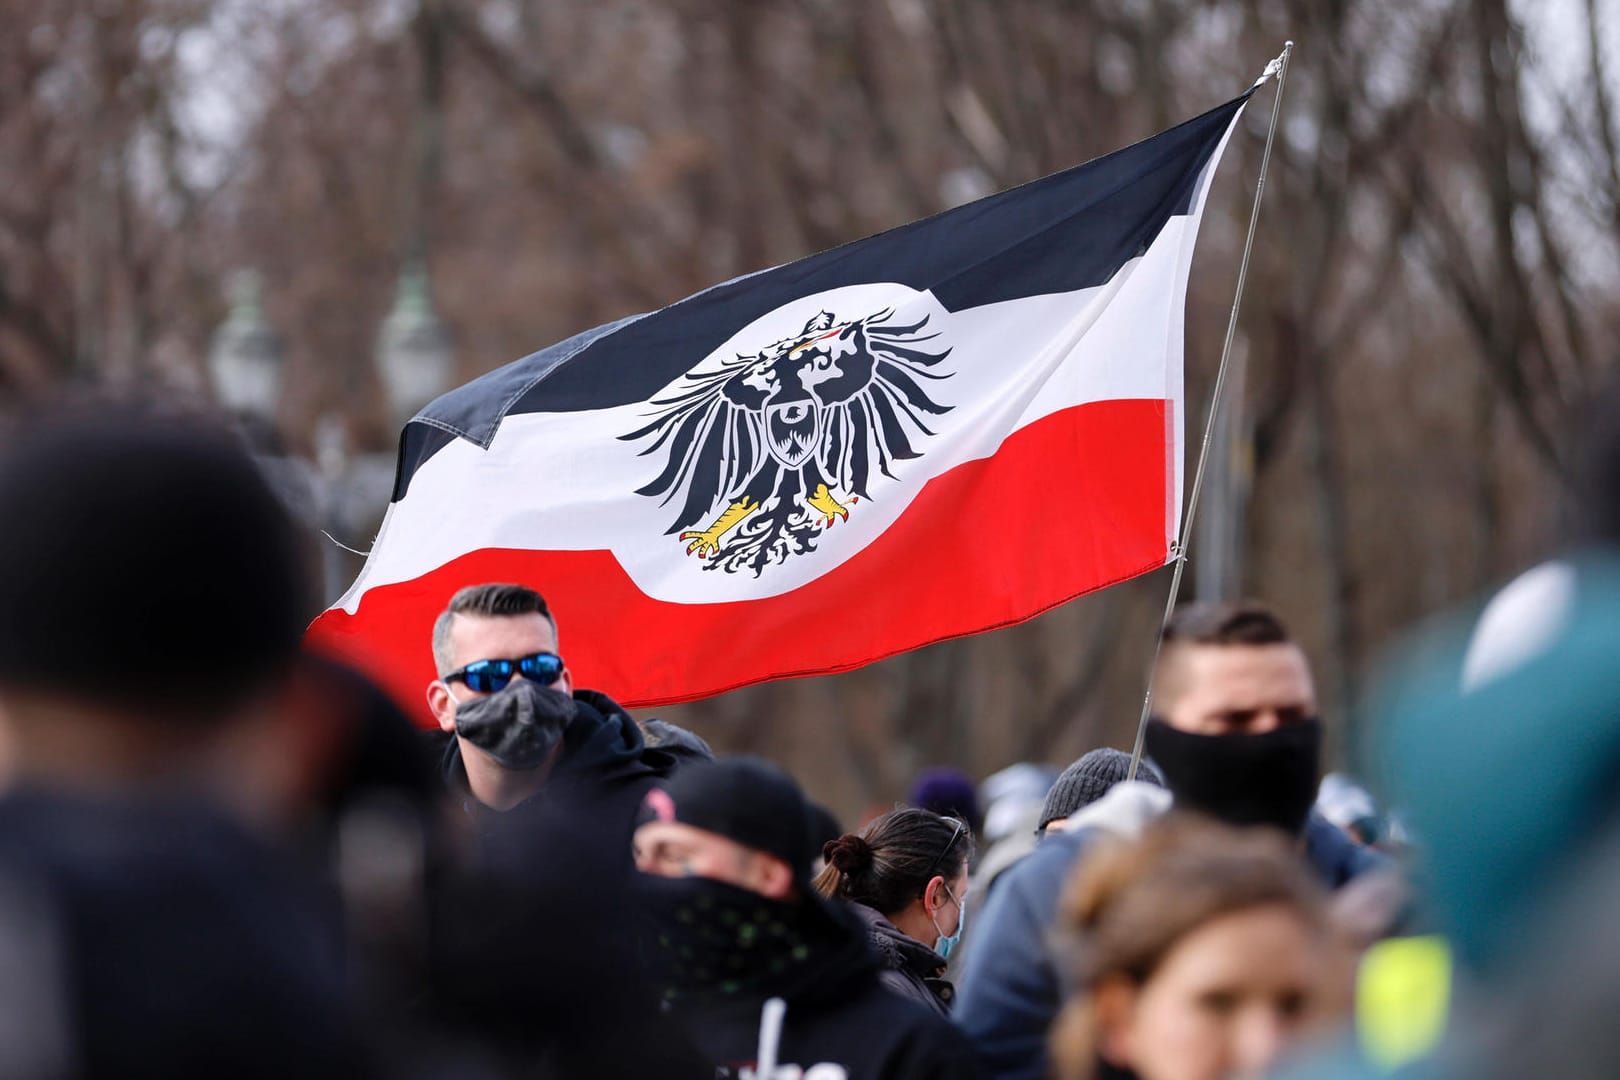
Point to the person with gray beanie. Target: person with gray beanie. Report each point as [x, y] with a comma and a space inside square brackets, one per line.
[1088, 780]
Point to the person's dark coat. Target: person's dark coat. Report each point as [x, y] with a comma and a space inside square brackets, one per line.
[153, 936]
[536, 959]
[839, 1013]
[1012, 990]
[907, 966]
[685, 746]
[604, 761]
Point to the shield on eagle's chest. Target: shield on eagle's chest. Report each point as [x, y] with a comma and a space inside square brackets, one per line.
[767, 450]
[791, 427]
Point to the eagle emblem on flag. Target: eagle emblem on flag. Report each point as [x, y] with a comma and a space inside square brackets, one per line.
[771, 448]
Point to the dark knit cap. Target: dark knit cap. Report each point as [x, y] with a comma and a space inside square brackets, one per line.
[145, 563]
[746, 799]
[1089, 779]
[949, 792]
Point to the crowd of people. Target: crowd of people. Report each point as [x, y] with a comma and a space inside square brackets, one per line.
[221, 856]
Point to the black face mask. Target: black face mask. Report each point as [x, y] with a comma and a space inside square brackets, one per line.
[718, 940]
[1267, 779]
[519, 726]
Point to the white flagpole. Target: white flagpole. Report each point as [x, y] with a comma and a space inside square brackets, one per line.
[1278, 67]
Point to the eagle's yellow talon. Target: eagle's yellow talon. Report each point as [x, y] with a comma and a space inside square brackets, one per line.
[703, 543]
[822, 499]
[707, 542]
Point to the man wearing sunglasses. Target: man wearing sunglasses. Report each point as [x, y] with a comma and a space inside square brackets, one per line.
[512, 719]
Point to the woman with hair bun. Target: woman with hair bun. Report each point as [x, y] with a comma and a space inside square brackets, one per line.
[905, 874]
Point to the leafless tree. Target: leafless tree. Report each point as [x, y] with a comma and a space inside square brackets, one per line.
[1432, 293]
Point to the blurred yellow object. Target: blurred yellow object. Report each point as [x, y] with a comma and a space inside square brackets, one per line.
[1403, 994]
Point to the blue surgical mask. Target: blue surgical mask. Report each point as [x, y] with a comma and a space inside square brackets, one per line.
[945, 943]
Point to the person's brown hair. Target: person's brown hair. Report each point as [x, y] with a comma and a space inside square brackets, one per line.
[1129, 904]
[1238, 623]
[1235, 623]
[496, 599]
[890, 862]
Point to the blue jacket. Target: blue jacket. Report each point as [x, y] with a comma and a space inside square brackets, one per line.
[1011, 990]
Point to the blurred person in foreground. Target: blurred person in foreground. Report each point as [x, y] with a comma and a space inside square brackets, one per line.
[512, 722]
[905, 874]
[1493, 734]
[1236, 737]
[1508, 781]
[725, 851]
[1204, 952]
[152, 599]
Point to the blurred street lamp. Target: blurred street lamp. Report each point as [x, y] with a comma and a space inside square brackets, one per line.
[245, 360]
[413, 353]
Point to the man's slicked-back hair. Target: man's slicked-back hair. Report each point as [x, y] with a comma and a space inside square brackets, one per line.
[1242, 622]
[494, 600]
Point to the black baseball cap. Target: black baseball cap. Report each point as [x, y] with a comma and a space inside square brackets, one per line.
[746, 799]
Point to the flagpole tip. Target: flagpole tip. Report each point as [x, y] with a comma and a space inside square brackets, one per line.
[1277, 63]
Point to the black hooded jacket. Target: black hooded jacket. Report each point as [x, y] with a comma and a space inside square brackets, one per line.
[908, 967]
[604, 761]
[839, 1014]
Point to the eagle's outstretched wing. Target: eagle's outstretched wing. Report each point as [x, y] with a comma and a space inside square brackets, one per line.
[873, 424]
[712, 429]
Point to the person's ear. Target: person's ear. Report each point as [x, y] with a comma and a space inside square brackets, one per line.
[565, 681]
[773, 878]
[442, 705]
[934, 895]
[1114, 1005]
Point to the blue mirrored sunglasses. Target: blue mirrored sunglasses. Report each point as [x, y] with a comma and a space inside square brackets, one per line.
[490, 676]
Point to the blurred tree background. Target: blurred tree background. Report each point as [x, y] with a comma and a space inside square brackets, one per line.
[1432, 299]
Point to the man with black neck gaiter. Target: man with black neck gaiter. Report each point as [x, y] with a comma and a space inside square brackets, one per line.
[725, 851]
[1236, 736]
[1235, 732]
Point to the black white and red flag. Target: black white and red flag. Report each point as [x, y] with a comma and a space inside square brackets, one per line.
[945, 428]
